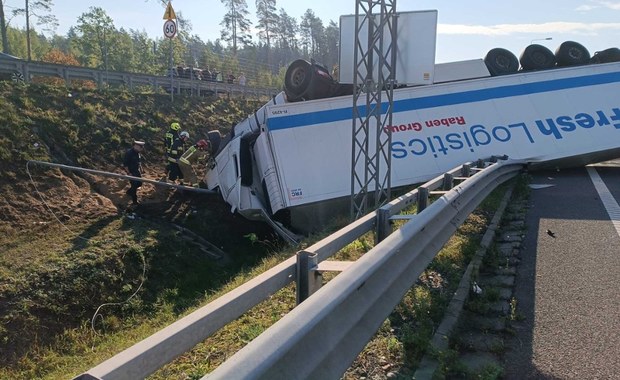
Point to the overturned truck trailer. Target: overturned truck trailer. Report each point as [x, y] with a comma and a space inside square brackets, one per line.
[291, 161]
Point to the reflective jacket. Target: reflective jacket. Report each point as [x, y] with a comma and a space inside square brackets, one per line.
[193, 155]
[176, 150]
[169, 139]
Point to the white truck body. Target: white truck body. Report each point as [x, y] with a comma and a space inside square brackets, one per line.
[298, 155]
[414, 46]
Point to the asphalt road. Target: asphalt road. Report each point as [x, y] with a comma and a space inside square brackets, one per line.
[568, 286]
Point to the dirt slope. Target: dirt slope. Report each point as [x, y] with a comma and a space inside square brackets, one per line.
[54, 272]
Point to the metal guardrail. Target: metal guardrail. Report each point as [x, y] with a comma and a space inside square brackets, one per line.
[341, 317]
[131, 80]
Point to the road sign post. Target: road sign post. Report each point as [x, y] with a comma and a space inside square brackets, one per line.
[170, 30]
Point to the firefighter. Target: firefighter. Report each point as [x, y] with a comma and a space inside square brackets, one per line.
[176, 150]
[131, 163]
[195, 153]
[169, 138]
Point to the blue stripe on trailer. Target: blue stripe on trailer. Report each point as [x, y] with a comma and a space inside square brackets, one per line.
[328, 116]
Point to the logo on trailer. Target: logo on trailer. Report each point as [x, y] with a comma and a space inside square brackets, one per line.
[295, 193]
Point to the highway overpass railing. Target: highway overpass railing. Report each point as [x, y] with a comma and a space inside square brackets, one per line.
[332, 323]
[29, 70]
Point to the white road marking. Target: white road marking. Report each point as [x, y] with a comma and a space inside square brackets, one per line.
[612, 207]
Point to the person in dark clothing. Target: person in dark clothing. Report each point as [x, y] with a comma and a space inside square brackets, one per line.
[131, 163]
[177, 149]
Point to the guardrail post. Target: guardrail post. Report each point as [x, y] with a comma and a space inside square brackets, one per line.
[65, 76]
[308, 279]
[448, 181]
[384, 229]
[466, 170]
[26, 73]
[423, 194]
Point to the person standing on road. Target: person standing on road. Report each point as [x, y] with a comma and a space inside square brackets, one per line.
[131, 163]
[194, 154]
[176, 150]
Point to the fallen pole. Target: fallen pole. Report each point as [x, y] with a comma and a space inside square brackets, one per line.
[123, 176]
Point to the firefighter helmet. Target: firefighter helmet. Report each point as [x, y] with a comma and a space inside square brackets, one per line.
[175, 126]
[184, 134]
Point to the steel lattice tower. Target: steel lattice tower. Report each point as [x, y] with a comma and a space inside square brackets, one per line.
[373, 83]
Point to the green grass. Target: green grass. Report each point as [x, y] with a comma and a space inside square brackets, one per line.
[178, 281]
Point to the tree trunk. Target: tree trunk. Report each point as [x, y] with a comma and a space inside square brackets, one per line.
[5, 40]
[28, 30]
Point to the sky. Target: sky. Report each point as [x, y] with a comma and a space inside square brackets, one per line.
[465, 30]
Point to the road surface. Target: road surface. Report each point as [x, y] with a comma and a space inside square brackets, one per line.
[568, 282]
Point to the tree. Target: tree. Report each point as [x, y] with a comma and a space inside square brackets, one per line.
[41, 9]
[93, 31]
[285, 34]
[312, 32]
[144, 52]
[236, 26]
[267, 20]
[61, 58]
[5, 40]
[332, 39]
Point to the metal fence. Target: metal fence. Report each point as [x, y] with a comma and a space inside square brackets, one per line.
[28, 70]
[332, 324]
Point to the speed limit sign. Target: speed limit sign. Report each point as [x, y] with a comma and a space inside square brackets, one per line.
[170, 29]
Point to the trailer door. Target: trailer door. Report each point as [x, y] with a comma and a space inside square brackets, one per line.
[228, 165]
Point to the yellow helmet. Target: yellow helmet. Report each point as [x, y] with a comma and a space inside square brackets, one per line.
[175, 126]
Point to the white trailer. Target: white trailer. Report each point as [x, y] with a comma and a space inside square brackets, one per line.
[292, 160]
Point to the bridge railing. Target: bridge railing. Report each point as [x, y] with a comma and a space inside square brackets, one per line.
[324, 333]
[29, 70]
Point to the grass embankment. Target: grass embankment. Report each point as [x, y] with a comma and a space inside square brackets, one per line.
[52, 278]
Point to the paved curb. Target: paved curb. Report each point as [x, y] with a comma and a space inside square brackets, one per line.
[440, 340]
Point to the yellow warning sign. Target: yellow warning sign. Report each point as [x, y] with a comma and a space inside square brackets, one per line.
[169, 14]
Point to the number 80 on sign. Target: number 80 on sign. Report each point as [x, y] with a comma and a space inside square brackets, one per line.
[170, 29]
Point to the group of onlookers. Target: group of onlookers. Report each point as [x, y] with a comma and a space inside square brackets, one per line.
[207, 75]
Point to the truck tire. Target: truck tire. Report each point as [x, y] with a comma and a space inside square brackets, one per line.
[537, 57]
[571, 53]
[306, 81]
[501, 61]
[606, 56]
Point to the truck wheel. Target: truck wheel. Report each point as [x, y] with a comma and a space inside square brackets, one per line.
[306, 81]
[297, 79]
[17, 77]
[501, 61]
[606, 56]
[571, 53]
[537, 57]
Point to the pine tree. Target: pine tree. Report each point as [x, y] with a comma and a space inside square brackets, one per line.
[236, 26]
[41, 10]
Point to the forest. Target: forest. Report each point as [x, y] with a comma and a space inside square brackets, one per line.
[95, 41]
